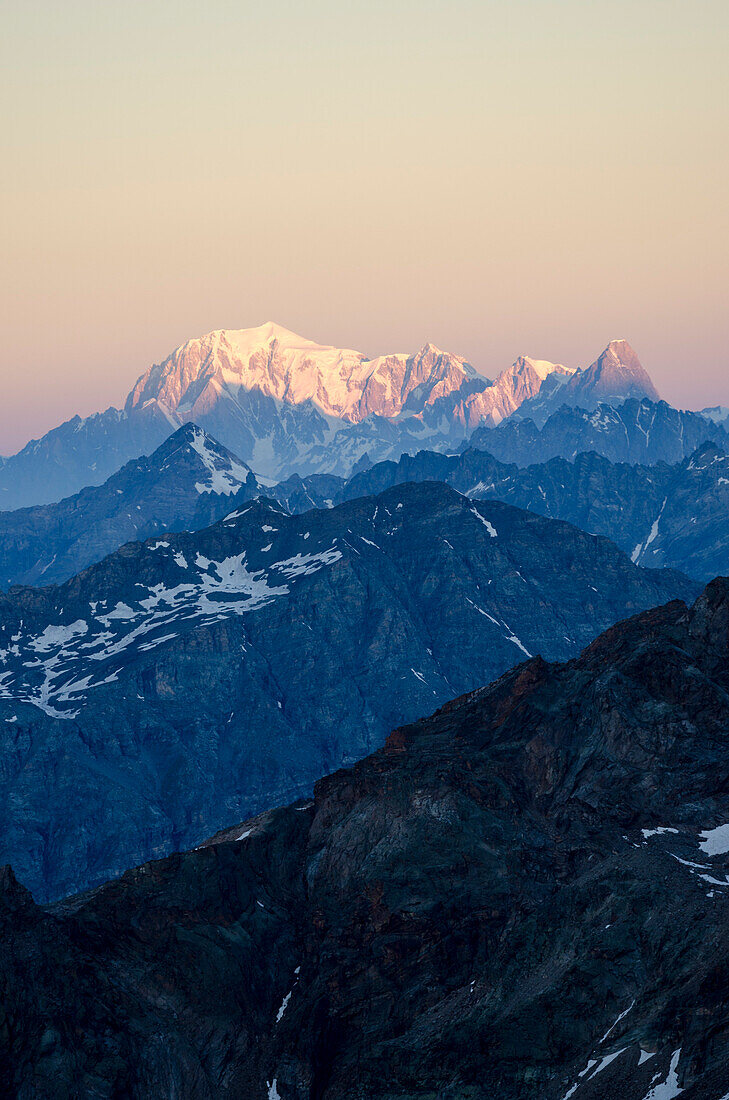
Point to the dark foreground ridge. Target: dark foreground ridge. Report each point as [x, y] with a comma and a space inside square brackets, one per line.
[524, 896]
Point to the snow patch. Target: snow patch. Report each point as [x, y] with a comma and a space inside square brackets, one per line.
[715, 841]
[489, 526]
[54, 636]
[226, 476]
[55, 670]
[612, 1027]
[592, 1069]
[669, 1088]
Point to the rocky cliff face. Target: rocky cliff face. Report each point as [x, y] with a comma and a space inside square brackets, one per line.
[187, 483]
[663, 516]
[524, 895]
[189, 680]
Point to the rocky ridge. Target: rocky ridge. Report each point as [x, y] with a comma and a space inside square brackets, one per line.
[663, 516]
[188, 680]
[523, 895]
[634, 431]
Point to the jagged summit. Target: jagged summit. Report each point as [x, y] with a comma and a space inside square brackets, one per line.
[190, 448]
[617, 375]
[617, 372]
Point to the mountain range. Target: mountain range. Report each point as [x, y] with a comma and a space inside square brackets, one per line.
[287, 405]
[188, 680]
[521, 896]
[664, 516]
[634, 431]
[276, 554]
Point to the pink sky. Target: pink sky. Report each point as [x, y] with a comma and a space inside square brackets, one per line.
[496, 178]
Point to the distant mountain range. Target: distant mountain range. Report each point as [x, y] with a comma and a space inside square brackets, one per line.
[718, 413]
[663, 516]
[287, 405]
[208, 373]
[635, 431]
[674, 516]
[194, 678]
[522, 896]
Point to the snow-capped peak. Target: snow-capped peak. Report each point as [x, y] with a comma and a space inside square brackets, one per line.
[278, 363]
[246, 340]
[216, 469]
[543, 367]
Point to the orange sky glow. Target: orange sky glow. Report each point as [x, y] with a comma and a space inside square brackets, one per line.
[534, 177]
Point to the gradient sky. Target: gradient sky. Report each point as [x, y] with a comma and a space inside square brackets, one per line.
[497, 177]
